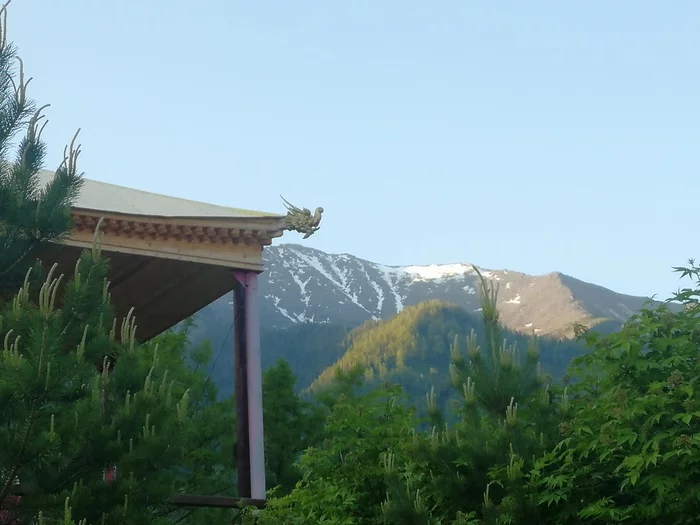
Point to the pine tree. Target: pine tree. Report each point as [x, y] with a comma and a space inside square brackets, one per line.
[291, 426]
[30, 214]
[474, 472]
[79, 398]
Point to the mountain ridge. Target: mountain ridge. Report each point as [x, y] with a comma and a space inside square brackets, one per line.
[304, 284]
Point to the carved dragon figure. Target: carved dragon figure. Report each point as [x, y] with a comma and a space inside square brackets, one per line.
[301, 220]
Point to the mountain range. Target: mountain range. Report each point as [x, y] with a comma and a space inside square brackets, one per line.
[304, 285]
[311, 299]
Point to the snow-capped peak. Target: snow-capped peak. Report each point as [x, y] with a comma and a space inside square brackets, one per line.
[435, 272]
[302, 284]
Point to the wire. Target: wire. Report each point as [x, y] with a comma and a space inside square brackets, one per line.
[218, 354]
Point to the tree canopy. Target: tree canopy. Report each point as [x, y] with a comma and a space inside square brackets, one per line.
[33, 213]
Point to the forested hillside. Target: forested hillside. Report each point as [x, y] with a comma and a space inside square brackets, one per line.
[414, 348]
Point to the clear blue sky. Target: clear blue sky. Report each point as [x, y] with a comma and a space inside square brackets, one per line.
[534, 136]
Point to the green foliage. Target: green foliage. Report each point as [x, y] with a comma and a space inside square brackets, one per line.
[78, 395]
[291, 426]
[343, 478]
[631, 450]
[421, 331]
[31, 215]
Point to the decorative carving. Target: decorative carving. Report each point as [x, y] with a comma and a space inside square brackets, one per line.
[301, 220]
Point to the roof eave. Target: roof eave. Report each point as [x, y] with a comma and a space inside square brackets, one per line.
[251, 215]
[260, 229]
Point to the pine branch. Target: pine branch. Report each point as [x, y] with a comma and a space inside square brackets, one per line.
[19, 260]
[15, 468]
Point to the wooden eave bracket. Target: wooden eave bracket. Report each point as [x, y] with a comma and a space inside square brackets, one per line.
[167, 229]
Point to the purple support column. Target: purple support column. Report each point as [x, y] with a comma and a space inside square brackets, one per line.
[249, 280]
[240, 352]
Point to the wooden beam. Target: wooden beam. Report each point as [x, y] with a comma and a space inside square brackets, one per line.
[221, 502]
[240, 256]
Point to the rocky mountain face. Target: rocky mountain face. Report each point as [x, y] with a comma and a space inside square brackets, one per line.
[306, 285]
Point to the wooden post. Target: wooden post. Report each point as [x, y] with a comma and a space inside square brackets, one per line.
[250, 445]
[242, 450]
[256, 441]
[249, 404]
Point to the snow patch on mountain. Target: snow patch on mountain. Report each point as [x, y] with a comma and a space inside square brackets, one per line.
[435, 272]
[302, 288]
[315, 263]
[283, 311]
[514, 300]
[391, 277]
[378, 289]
